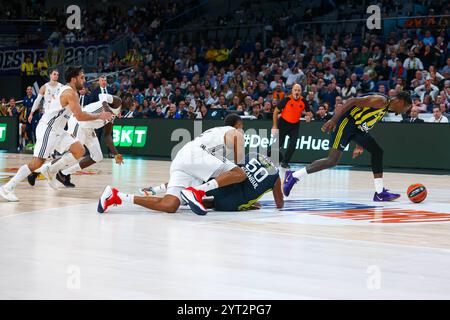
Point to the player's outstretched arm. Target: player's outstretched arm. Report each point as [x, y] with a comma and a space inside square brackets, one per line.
[108, 131]
[375, 101]
[36, 103]
[278, 194]
[71, 98]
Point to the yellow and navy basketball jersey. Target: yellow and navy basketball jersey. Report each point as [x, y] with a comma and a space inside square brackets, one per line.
[262, 175]
[366, 117]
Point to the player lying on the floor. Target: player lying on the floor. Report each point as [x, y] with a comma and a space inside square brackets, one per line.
[352, 123]
[85, 133]
[206, 158]
[262, 177]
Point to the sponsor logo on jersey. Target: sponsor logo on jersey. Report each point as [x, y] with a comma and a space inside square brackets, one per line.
[364, 127]
[130, 136]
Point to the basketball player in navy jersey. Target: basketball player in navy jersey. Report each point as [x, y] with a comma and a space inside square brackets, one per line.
[262, 177]
[352, 123]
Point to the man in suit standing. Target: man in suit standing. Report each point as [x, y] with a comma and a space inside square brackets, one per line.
[413, 116]
[84, 97]
[102, 88]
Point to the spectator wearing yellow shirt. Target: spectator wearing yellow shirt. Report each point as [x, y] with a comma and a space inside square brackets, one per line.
[211, 54]
[42, 67]
[222, 54]
[27, 67]
[136, 58]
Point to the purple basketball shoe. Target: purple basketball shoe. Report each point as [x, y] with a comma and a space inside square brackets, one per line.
[385, 196]
[289, 181]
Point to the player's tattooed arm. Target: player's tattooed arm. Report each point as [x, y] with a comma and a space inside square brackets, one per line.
[278, 194]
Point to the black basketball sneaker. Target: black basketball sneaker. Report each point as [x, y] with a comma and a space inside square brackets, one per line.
[32, 178]
[64, 179]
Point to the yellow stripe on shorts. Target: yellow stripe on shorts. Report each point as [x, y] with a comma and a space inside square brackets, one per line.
[339, 134]
[244, 207]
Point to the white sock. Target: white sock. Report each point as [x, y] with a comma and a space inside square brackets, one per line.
[66, 160]
[300, 173]
[160, 189]
[76, 167]
[378, 185]
[210, 185]
[20, 175]
[126, 198]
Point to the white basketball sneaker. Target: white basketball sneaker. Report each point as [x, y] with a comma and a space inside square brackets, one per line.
[9, 196]
[145, 192]
[51, 178]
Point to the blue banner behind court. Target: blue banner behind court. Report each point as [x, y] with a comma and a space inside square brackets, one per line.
[11, 58]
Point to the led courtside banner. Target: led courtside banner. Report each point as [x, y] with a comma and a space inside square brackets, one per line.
[400, 141]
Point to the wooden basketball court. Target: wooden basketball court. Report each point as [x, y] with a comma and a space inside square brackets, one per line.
[330, 242]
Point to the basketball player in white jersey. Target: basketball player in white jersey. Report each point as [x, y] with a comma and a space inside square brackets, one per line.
[50, 134]
[48, 92]
[84, 131]
[202, 162]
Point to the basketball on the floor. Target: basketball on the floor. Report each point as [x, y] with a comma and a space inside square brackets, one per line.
[417, 192]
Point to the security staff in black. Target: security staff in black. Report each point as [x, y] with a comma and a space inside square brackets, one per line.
[352, 122]
[291, 109]
[262, 177]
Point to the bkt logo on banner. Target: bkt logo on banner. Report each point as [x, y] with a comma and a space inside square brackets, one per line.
[129, 136]
[3, 127]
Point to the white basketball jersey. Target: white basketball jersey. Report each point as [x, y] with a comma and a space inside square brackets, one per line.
[50, 93]
[95, 107]
[56, 115]
[213, 140]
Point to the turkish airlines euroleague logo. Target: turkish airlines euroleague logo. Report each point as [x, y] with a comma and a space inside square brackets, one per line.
[387, 215]
[359, 212]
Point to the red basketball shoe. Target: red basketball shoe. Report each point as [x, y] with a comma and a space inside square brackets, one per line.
[194, 199]
[108, 198]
